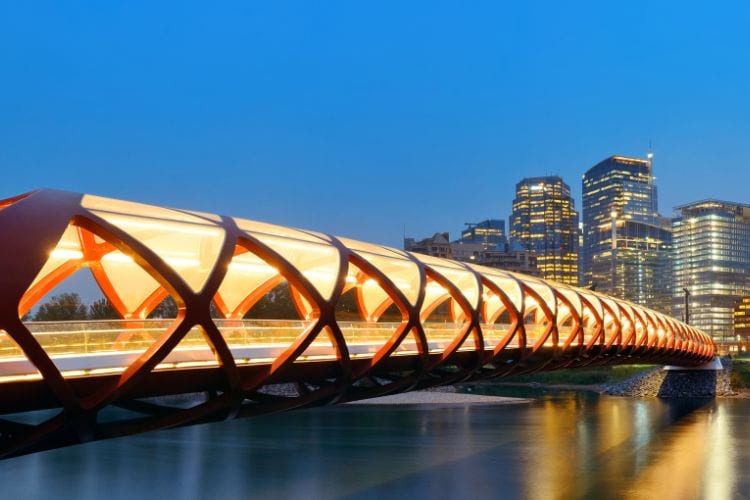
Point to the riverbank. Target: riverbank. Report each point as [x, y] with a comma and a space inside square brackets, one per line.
[590, 377]
[595, 379]
[631, 381]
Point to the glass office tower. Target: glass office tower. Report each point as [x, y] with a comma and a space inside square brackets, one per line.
[711, 261]
[544, 220]
[742, 323]
[626, 243]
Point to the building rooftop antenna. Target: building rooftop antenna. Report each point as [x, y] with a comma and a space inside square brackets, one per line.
[650, 154]
[650, 159]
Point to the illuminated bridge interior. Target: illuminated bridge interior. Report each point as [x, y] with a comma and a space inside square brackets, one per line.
[231, 310]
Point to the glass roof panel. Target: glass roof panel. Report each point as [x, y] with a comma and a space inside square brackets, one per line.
[245, 273]
[612, 306]
[462, 278]
[113, 206]
[373, 296]
[190, 245]
[131, 282]
[403, 272]
[592, 299]
[317, 260]
[493, 306]
[542, 289]
[504, 281]
[572, 297]
[274, 230]
[67, 249]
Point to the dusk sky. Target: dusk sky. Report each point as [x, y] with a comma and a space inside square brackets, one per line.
[359, 119]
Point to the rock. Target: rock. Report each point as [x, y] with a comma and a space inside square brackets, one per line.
[675, 384]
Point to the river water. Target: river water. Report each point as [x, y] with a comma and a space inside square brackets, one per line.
[565, 445]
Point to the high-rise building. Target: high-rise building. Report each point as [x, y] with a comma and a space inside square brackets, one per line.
[711, 261]
[742, 323]
[626, 243]
[544, 221]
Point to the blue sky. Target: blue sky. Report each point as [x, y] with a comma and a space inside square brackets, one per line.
[361, 118]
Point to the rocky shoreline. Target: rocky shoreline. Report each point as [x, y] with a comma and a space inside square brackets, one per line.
[656, 382]
[676, 384]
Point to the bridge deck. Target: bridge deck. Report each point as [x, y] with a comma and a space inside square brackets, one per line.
[102, 347]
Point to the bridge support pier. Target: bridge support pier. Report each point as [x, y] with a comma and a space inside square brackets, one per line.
[713, 365]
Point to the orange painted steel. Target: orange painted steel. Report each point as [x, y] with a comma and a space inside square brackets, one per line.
[548, 325]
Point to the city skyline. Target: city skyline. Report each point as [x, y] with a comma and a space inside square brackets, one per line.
[664, 209]
[629, 249]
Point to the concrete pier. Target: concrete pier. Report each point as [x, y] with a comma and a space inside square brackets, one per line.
[714, 364]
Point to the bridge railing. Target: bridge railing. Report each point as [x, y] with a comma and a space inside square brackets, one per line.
[112, 344]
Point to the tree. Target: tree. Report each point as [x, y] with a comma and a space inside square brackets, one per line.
[63, 307]
[102, 309]
[167, 308]
[214, 311]
[276, 304]
[346, 307]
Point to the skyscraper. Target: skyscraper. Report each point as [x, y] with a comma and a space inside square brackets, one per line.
[711, 261]
[626, 243]
[544, 220]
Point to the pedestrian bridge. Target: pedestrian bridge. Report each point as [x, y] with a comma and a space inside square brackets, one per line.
[205, 317]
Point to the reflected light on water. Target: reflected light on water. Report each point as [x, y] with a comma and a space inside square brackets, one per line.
[563, 446]
[720, 471]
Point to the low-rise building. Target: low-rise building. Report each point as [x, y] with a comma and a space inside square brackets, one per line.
[489, 249]
[437, 246]
[510, 258]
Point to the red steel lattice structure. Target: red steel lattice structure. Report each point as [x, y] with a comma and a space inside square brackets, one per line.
[370, 320]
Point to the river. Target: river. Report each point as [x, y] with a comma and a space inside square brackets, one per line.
[564, 445]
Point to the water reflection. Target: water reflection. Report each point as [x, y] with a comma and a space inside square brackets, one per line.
[558, 446]
[640, 449]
